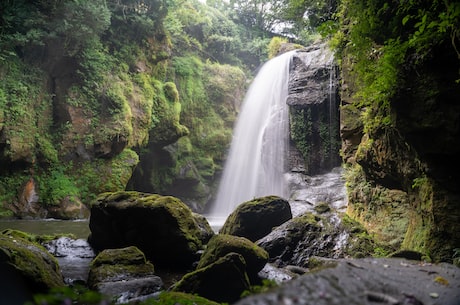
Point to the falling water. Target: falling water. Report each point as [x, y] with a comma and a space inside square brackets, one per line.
[257, 159]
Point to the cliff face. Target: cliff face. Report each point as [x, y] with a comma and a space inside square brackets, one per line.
[402, 168]
[313, 106]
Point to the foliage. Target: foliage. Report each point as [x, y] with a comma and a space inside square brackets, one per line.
[70, 295]
[275, 45]
[264, 287]
[382, 39]
[55, 186]
[300, 122]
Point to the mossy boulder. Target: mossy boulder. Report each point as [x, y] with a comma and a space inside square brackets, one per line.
[26, 268]
[256, 218]
[222, 244]
[124, 274]
[163, 227]
[222, 281]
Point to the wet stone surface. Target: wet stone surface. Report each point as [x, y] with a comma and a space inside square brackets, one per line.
[369, 281]
[74, 257]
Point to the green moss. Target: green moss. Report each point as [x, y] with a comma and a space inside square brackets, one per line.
[124, 256]
[222, 244]
[176, 298]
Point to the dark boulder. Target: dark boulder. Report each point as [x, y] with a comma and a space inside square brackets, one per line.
[163, 227]
[222, 281]
[221, 244]
[256, 218]
[123, 274]
[26, 268]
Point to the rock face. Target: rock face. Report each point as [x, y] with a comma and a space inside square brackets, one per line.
[222, 281]
[256, 218]
[369, 281]
[26, 268]
[314, 117]
[124, 274]
[254, 256]
[161, 226]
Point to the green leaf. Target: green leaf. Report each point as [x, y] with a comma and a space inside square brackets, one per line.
[406, 19]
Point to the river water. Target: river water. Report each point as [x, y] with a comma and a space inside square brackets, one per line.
[79, 228]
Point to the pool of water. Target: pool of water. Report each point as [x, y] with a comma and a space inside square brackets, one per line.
[79, 228]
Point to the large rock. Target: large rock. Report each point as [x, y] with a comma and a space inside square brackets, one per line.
[222, 244]
[26, 268]
[367, 282]
[222, 281]
[294, 242]
[256, 218]
[163, 227]
[123, 274]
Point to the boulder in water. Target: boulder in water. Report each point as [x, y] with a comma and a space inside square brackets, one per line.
[256, 218]
[222, 281]
[222, 244]
[26, 268]
[163, 227]
[124, 274]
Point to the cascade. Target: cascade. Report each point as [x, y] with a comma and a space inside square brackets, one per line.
[256, 162]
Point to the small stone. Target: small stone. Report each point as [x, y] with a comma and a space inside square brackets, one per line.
[434, 295]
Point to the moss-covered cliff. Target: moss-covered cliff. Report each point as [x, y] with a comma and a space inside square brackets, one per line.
[91, 88]
[400, 121]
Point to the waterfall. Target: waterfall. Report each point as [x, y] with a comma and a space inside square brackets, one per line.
[256, 162]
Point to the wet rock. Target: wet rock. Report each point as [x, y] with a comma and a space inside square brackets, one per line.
[206, 232]
[124, 274]
[222, 281]
[74, 257]
[221, 244]
[256, 218]
[294, 242]
[26, 268]
[162, 227]
[273, 273]
[368, 282]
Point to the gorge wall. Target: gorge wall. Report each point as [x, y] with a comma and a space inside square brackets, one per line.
[400, 125]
